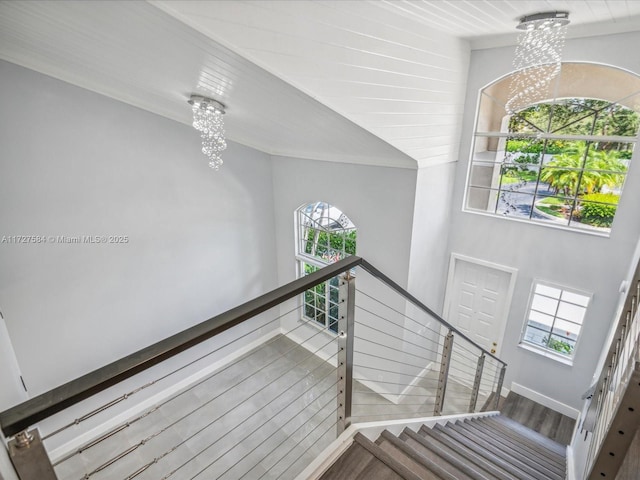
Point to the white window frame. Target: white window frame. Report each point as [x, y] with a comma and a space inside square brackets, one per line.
[303, 258]
[496, 205]
[566, 358]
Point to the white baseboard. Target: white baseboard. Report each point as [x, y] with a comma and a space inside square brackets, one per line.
[546, 401]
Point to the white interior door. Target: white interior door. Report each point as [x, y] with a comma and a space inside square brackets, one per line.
[477, 300]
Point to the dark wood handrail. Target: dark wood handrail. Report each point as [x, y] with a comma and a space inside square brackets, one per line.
[20, 417]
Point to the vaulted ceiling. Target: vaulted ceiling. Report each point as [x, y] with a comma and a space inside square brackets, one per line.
[377, 82]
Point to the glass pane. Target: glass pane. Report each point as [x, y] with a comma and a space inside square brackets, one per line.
[482, 199]
[575, 298]
[484, 175]
[552, 208]
[560, 344]
[536, 336]
[566, 329]
[514, 203]
[540, 320]
[575, 116]
[595, 214]
[559, 178]
[491, 111]
[548, 291]
[572, 312]
[544, 304]
[617, 120]
[534, 119]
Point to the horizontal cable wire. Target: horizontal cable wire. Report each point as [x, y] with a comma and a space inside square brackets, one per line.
[331, 413]
[389, 414]
[146, 440]
[155, 460]
[127, 424]
[395, 324]
[464, 351]
[149, 384]
[364, 392]
[364, 380]
[383, 370]
[400, 313]
[333, 425]
[264, 406]
[331, 399]
[394, 349]
[462, 371]
[391, 360]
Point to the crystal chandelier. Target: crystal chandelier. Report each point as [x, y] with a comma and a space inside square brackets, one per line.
[538, 58]
[207, 119]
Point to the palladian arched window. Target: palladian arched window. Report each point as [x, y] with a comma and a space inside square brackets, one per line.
[324, 235]
[560, 161]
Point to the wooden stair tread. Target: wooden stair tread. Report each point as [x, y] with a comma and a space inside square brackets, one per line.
[487, 448]
[525, 449]
[536, 437]
[458, 465]
[530, 465]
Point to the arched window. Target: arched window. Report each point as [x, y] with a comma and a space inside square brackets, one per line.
[562, 160]
[324, 235]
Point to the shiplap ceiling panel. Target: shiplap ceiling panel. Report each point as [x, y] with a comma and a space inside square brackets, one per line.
[379, 81]
[308, 43]
[136, 53]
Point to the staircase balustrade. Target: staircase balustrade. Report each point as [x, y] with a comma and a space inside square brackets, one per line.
[260, 390]
[613, 416]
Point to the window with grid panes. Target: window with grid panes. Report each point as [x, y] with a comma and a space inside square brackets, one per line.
[554, 318]
[324, 235]
[561, 161]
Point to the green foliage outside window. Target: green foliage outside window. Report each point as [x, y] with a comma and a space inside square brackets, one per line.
[600, 213]
[558, 345]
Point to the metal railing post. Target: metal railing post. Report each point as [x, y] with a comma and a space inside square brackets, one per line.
[476, 384]
[444, 373]
[499, 387]
[29, 457]
[346, 312]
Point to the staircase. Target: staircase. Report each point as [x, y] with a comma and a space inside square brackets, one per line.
[481, 449]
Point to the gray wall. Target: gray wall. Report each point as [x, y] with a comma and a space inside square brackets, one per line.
[586, 262]
[76, 163]
[378, 200]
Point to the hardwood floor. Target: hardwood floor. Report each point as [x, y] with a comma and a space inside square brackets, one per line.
[630, 469]
[543, 420]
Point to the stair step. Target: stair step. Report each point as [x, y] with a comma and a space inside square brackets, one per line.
[410, 458]
[553, 446]
[353, 461]
[454, 463]
[525, 437]
[530, 465]
[524, 449]
[488, 453]
[458, 449]
[489, 448]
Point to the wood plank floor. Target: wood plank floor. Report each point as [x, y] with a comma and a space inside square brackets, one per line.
[630, 469]
[543, 420]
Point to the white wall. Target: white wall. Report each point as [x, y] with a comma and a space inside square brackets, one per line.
[429, 241]
[578, 260]
[76, 163]
[378, 200]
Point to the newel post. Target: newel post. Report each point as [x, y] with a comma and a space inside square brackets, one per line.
[346, 312]
[29, 457]
[444, 373]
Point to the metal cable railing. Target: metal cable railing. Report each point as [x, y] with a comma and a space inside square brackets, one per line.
[612, 417]
[267, 411]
